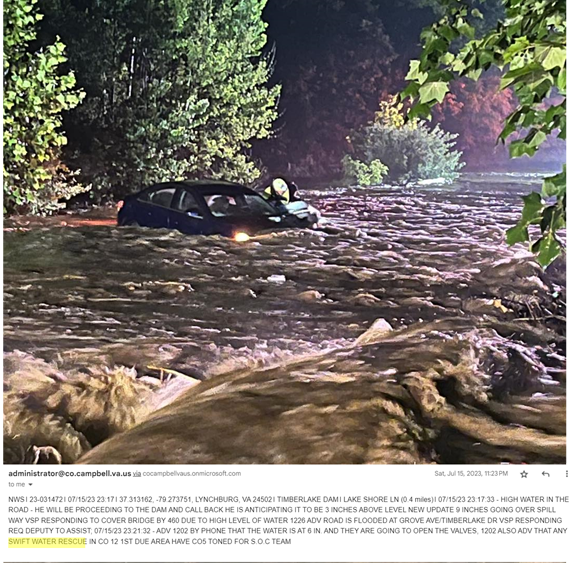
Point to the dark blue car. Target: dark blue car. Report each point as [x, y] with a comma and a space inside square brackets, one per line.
[206, 208]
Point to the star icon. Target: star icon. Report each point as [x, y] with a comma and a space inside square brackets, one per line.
[524, 474]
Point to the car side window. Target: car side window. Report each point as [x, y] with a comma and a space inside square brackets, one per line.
[222, 205]
[162, 197]
[187, 203]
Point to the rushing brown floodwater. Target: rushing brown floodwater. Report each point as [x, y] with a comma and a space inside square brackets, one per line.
[472, 372]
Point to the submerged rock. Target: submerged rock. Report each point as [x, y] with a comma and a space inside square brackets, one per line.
[377, 331]
[365, 299]
[310, 296]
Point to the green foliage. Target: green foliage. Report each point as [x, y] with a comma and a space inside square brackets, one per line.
[35, 95]
[550, 217]
[391, 113]
[62, 185]
[411, 151]
[175, 89]
[529, 46]
[362, 173]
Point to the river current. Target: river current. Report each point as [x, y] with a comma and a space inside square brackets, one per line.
[465, 362]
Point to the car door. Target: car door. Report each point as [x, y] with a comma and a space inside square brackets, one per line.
[225, 213]
[189, 214]
[154, 207]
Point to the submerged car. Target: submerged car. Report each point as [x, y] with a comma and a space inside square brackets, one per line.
[208, 208]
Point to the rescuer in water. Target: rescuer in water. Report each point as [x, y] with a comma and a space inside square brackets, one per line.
[281, 192]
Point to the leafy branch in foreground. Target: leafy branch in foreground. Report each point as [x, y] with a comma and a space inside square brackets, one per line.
[529, 47]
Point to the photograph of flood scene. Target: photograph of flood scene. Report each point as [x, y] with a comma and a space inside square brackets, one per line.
[284, 232]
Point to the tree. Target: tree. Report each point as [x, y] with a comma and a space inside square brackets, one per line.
[408, 151]
[35, 95]
[475, 111]
[174, 89]
[529, 48]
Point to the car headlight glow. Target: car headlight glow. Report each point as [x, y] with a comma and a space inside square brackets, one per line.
[241, 237]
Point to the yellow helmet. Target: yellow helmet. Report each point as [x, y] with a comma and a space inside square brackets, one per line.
[280, 186]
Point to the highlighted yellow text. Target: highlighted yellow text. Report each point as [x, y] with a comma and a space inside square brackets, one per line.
[47, 542]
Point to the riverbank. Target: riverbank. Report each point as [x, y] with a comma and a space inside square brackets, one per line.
[94, 216]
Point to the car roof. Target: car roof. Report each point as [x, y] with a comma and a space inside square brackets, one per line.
[207, 182]
[207, 187]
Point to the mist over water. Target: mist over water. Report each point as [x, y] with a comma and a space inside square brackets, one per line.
[431, 261]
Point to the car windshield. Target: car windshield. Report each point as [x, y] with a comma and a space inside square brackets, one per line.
[224, 205]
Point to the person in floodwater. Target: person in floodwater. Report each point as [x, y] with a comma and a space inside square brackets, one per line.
[284, 196]
[281, 192]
